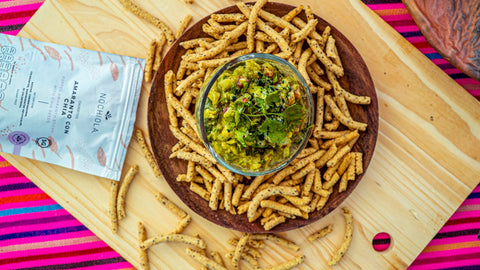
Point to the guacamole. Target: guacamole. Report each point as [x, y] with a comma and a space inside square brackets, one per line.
[254, 115]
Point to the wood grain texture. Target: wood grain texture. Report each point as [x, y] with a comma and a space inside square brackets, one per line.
[357, 80]
[426, 161]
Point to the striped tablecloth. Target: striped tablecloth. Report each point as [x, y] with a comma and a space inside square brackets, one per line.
[37, 233]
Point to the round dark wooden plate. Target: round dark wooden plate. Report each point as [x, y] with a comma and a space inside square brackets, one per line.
[452, 28]
[357, 80]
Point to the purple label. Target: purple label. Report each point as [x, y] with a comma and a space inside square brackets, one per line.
[19, 139]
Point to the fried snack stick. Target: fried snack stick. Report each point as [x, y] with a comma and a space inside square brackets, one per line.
[305, 31]
[183, 24]
[340, 140]
[142, 236]
[323, 58]
[226, 40]
[331, 134]
[271, 191]
[304, 171]
[287, 265]
[252, 19]
[191, 156]
[182, 87]
[358, 162]
[239, 248]
[200, 191]
[204, 260]
[321, 233]
[293, 13]
[152, 46]
[215, 195]
[171, 206]
[181, 238]
[273, 222]
[319, 112]
[348, 122]
[257, 181]
[129, 5]
[326, 157]
[158, 52]
[277, 38]
[168, 83]
[347, 238]
[281, 207]
[191, 144]
[252, 261]
[217, 257]
[123, 191]
[276, 239]
[112, 207]
[229, 17]
[182, 224]
[146, 152]
[302, 68]
[338, 156]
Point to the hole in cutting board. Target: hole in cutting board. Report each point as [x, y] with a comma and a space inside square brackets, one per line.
[381, 241]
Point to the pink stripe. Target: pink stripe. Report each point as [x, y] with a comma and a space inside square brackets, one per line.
[8, 169]
[20, 8]
[439, 61]
[466, 214]
[477, 188]
[27, 204]
[428, 50]
[460, 227]
[19, 192]
[111, 266]
[445, 253]
[50, 250]
[11, 33]
[451, 71]
[443, 265]
[453, 240]
[40, 227]
[473, 89]
[69, 260]
[476, 200]
[54, 213]
[406, 28]
[23, 20]
[414, 40]
[468, 80]
[397, 17]
[12, 180]
[386, 6]
[46, 238]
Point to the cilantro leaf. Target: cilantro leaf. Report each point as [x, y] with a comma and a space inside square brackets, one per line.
[274, 130]
[272, 99]
[293, 114]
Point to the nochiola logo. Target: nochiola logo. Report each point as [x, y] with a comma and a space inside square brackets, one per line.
[43, 142]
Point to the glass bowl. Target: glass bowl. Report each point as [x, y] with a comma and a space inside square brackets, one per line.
[254, 127]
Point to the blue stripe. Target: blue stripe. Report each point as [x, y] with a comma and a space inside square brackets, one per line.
[474, 195]
[17, 186]
[459, 76]
[412, 34]
[43, 232]
[26, 210]
[432, 56]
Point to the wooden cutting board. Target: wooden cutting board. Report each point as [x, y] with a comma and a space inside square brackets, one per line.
[427, 158]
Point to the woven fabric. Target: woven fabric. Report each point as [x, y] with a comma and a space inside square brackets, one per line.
[37, 233]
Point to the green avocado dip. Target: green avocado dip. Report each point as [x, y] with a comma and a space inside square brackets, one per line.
[254, 115]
